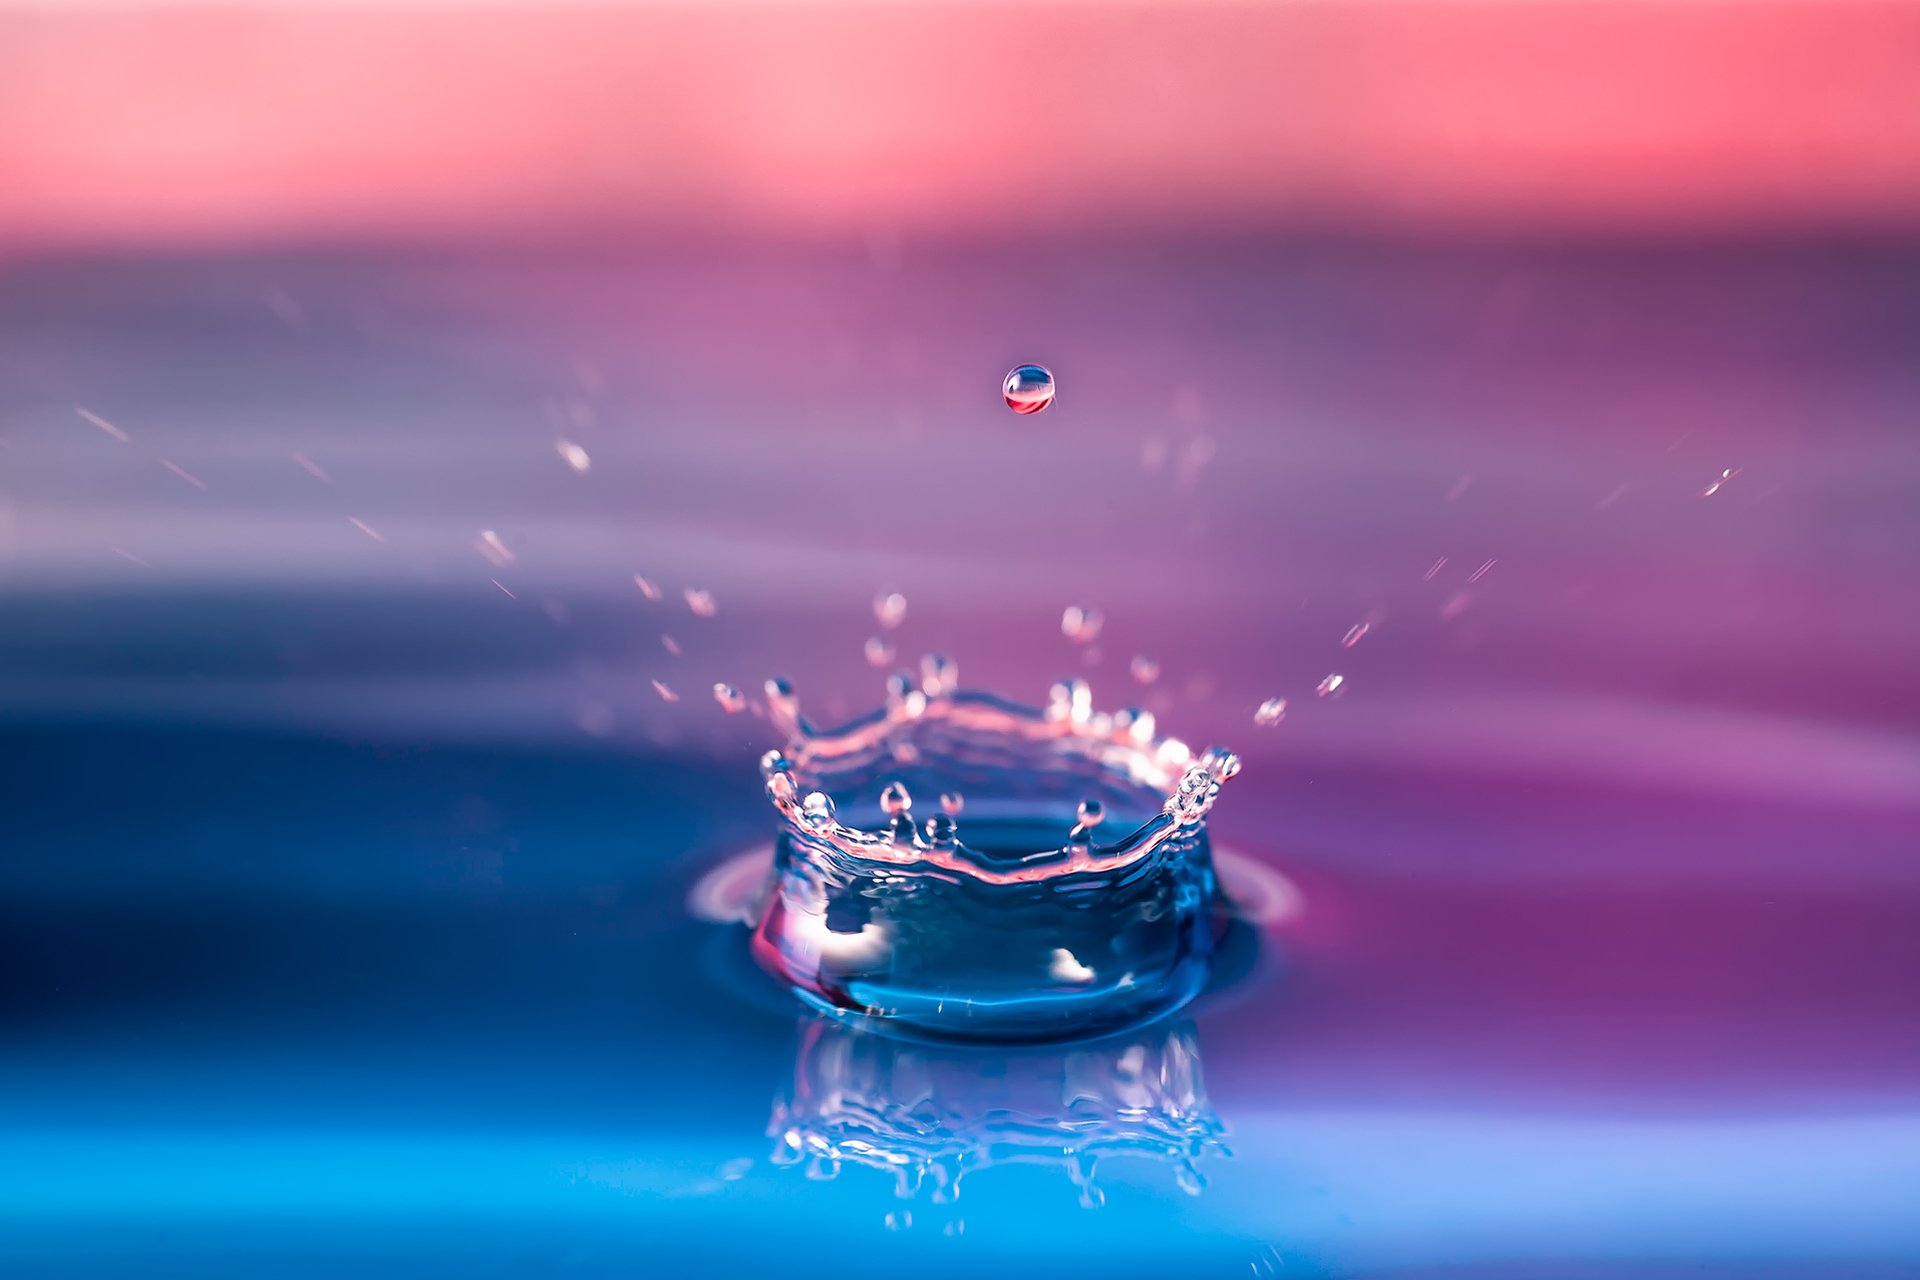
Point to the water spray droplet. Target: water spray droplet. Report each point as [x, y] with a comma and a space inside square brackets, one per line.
[1270, 713]
[879, 651]
[573, 455]
[1354, 634]
[671, 645]
[731, 700]
[647, 589]
[1081, 623]
[1145, 670]
[889, 609]
[1090, 813]
[666, 694]
[894, 799]
[939, 674]
[952, 801]
[1028, 389]
[1331, 686]
[489, 545]
[701, 602]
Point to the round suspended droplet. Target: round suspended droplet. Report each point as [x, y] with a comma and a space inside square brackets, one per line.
[1270, 713]
[952, 801]
[1028, 389]
[1081, 623]
[894, 799]
[1144, 668]
[1090, 812]
[889, 609]
[879, 651]
[731, 700]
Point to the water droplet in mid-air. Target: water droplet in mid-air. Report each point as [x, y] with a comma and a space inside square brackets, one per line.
[1331, 686]
[952, 801]
[1270, 713]
[889, 609]
[1355, 634]
[573, 455]
[731, 700]
[879, 651]
[1028, 389]
[894, 798]
[1146, 670]
[701, 602]
[666, 693]
[1081, 624]
[489, 544]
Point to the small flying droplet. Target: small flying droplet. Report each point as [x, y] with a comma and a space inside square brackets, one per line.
[1354, 634]
[1331, 686]
[1081, 624]
[879, 651]
[889, 609]
[953, 802]
[496, 552]
[731, 700]
[647, 589]
[1028, 389]
[1145, 670]
[183, 473]
[573, 455]
[1270, 713]
[701, 602]
[666, 694]
[366, 528]
[100, 422]
[1725, 476]
[671, 645]
[895, 799]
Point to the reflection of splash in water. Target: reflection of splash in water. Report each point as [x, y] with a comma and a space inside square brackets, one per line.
[931, 1115]
[1007, 931]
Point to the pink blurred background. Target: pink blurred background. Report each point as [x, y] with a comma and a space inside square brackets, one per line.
[258, 121]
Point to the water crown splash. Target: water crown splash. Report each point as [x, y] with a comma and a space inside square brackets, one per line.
[1025, 924]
